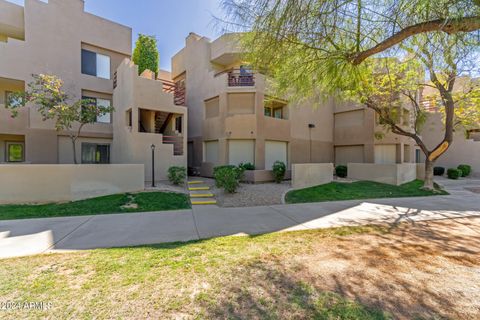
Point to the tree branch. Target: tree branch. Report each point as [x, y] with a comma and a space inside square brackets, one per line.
[450, 26]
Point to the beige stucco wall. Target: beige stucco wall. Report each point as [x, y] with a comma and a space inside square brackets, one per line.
[131, 146]
[306, 175]
[25, 183]
[239, 113]
[461, 151]
[55, 33]
[395, 174]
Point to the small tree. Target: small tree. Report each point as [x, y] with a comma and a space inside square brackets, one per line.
[145, 54]
[70, 115]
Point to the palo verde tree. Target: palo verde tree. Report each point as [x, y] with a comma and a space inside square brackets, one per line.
[145, 54]
[330, 47]
[46, 95]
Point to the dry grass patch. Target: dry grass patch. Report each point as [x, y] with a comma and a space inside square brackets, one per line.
[427, 270]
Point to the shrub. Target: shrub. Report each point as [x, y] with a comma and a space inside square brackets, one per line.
[177, 175]
[228, 177]
[438, 171]
[453, 173]
[465, 169]
[247, 166]
[341, 171]
[279, 169]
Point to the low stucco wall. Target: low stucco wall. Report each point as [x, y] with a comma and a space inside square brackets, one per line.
[306, 175]
[40, 183]
[258, 176]
[421, 171]
[395, 174]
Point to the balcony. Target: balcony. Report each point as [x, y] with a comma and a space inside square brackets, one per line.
[12, 21]
[178, 89]
[241, 78]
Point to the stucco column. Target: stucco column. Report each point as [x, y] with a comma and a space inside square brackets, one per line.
[369, 153]
[399, 153]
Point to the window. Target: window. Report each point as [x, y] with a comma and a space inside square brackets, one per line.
[95, 153]
[102, 118]
[12, 100]
[178, 124]
[267, 111]
[129, 118]
[15, 151]
[278, 113]
[95, 64]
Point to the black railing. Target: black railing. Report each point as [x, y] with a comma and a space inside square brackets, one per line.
[241, 78]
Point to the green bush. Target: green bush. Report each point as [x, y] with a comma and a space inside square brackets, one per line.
[438, 171]
[453, 173]
[247, 166]
[228, 177]
[177, 175]
[145, 54]
[465, 169]
[279, 169]
[341, 171]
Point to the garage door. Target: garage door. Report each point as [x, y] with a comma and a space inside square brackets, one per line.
[275, 151]
[386, 154]
[211, 152]
[348, 154]
[241, 151]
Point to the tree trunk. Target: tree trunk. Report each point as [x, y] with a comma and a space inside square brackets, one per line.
[74, 151]
[428, 180]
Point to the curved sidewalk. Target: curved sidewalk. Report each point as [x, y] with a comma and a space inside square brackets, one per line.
[24, 237]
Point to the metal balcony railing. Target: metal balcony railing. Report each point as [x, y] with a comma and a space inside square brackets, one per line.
[241, 78]
[178, 89]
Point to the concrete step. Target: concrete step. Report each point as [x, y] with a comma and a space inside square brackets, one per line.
[203, 201]
[202, 195]
[26, 245]
[195, 182]
[198, 188]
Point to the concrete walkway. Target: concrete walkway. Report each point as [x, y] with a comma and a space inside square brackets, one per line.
[32, 236]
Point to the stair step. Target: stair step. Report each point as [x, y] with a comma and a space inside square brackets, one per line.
[204, 202]
[201, 195]
[198, 188]
[195, 182]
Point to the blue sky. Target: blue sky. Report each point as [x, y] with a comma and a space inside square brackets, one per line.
[169, 20]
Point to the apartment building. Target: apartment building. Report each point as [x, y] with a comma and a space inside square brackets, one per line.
[58, 37]
[233, 119]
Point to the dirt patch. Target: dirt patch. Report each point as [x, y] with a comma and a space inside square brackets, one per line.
[474, 190]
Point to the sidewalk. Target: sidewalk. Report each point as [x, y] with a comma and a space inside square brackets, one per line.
[201, 222]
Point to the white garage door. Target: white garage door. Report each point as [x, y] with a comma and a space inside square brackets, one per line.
[211, 152]
[386, 154]
[275, 151]
[241, 151]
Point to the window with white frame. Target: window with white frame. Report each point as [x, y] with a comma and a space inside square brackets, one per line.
[95, 64]
[101, 118]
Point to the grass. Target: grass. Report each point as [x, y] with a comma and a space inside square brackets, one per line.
[359, 190]
[227, 278]
[118, 203]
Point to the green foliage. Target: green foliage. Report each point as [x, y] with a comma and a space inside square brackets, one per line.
[145, 54]
[144, 201]
[341, 171]
[46, 93]
[177, 175]
[279, 169]
[465, 169]
[247, 166]
[454, 174]
[438, 171]
[359, 190]
[228, 177]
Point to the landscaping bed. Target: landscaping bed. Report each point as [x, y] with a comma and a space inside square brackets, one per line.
[407, 271]
[335, 191]
[117, 203]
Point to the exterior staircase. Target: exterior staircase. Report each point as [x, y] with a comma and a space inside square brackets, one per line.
[200, 193]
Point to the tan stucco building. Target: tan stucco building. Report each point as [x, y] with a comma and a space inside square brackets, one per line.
[232, 118]
[83, 50]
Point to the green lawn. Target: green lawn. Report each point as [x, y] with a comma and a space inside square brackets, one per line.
[223, 278]
[135, 202]
[359, 190]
